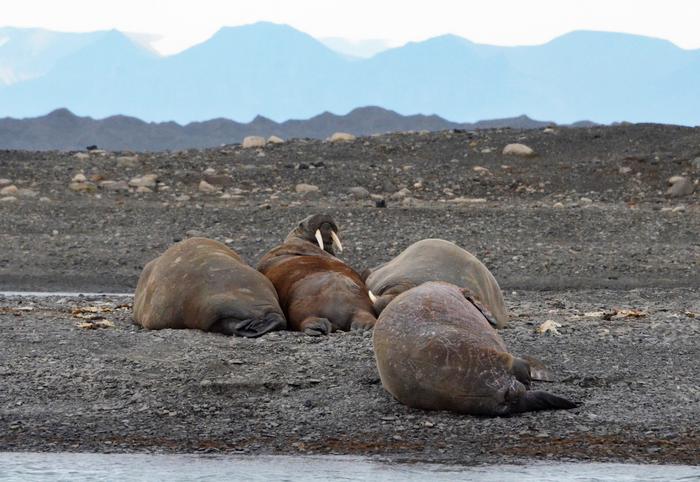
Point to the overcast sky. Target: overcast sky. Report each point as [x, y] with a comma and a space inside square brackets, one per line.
[182, 23]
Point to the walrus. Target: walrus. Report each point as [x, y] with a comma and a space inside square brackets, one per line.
[201, 283]
[435, 350]
[435, 260]
[318, 293]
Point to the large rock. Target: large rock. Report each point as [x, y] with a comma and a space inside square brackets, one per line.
[518, 150]
[8, 199]
[679, 186]
[341, 137]
[10, 190]
[275, 140]
[306, 188]
[253, 141]
[147, 180]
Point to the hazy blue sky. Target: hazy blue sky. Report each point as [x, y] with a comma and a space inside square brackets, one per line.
[181, 23]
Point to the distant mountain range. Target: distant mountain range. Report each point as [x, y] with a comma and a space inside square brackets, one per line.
[281, 73]
[63, 130]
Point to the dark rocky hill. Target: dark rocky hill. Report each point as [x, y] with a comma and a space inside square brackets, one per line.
[63, 130]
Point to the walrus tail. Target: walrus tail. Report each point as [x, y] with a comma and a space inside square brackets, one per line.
[536, 400]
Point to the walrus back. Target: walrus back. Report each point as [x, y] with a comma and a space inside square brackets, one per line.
[439, 260]
[435, 350]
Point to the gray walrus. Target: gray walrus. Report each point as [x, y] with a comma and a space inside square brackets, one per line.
[201, 283]
[318, 292]
[436, 260]
[435, 350]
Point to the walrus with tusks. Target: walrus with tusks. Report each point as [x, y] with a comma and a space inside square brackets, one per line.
[318, 292]
[435, 260]
[435, 350]
[201, 283]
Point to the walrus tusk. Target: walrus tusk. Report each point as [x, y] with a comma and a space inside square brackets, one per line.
[372, 298]
[336, 241]
[319, 238]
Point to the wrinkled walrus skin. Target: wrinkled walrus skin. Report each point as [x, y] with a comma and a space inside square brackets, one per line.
[318, 293]
[436, 351]
[436, 260]
[201, 283]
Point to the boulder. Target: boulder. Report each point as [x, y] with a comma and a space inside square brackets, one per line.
[518, 150]
[275, 140]
[679, 186]
[253, 141]
[341, 137]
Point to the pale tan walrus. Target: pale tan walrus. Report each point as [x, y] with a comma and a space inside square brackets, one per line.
[436, 260]
[201, 283]
[435, 350]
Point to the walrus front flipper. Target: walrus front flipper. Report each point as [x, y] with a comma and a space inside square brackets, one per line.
[532, 401]
[538, 370]
[474, 300]
[315, 326]
[251, 328]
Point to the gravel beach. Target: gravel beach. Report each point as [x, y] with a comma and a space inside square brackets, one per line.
[584, 233]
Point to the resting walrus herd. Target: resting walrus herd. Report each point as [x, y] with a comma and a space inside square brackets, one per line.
[434, 341]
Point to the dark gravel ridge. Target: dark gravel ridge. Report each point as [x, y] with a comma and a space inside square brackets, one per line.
[573, 234]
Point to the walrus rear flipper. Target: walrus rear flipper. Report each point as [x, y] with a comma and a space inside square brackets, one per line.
[532, 401]
[251, 328]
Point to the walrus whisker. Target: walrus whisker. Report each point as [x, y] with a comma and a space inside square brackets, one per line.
[319, 238]
[336, 241]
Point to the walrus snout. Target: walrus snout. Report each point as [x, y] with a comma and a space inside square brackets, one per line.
[321, 230]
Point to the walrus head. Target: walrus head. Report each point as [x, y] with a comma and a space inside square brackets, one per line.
[319, 229]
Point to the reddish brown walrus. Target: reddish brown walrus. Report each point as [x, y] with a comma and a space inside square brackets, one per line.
[436, 260]
[201, 283]
[318, 292]
[435, 350]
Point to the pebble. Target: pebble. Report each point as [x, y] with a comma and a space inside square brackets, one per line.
[359, 192]
[467, 200]
[127, 161]
[81, 186]
[5, 182]
[518, 150]
[81, 156]
[250, 142]
[80, 177]
[680, 186]
[8, 199]
[10, 190]
[695, 163]
[558, 205]
[147, 180]
[204, 186]
[586, 201]
[209, 171]
[115, 185]
[400, 194]
[341, 137]
[142, 189]
[303, 188]
[625, 170]
[481, 170]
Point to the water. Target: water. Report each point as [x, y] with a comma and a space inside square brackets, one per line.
[61, 294]
[78, 467]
